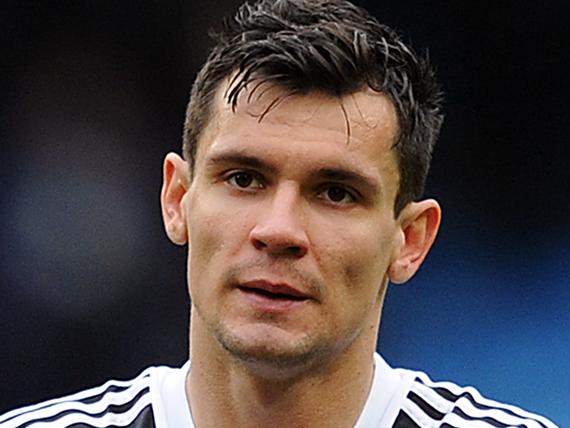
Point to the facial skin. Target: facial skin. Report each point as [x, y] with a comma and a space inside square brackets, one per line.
[290, 227]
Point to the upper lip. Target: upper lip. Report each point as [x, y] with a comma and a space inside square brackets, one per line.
[274, 288]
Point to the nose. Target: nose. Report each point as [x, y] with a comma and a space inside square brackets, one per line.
[279, 229]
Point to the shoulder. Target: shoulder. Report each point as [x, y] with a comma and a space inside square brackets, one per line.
[115, 403]
[445, 404]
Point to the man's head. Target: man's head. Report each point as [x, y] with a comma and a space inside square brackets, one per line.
[294, 197]
[330, 47]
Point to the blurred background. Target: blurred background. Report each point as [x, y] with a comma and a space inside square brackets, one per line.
[93, 95]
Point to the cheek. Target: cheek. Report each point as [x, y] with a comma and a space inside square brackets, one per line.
[366, 272]
[205, 238]
[358, 256]
[353, 269]
[204, 241]
[215, 234]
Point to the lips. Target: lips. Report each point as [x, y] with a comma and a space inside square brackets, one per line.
[273, 290]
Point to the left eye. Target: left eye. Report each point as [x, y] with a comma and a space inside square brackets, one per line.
[337, 194]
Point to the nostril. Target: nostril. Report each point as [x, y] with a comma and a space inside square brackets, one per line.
[259, 245]
[279, 248]
[294, 250]
[279, 239]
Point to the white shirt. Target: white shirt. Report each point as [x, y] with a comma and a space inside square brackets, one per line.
[398, 398]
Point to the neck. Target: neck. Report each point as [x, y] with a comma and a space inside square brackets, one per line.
[225, 392]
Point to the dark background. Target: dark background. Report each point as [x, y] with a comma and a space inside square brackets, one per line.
[92, 97]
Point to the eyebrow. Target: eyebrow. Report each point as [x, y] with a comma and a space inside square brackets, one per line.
[344, 175]
[240, 159]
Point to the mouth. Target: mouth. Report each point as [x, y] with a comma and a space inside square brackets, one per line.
[273, 291]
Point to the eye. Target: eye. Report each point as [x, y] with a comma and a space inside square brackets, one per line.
[244, 180]
[337, 194]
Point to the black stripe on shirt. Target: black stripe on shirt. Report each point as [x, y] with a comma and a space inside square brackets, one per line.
[425, 406]
[404, 421]
[86, 400]
[145, 419]
[488, 419]
[110, 389]
[448, 395]
[113, 408]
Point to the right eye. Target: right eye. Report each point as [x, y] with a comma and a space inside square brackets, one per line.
[244, 180]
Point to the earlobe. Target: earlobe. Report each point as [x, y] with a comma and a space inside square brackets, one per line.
[419, 222]
[174, 187]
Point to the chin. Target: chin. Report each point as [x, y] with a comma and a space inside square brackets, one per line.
[271, 350]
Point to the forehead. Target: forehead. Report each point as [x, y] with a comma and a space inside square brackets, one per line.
[357, 115]
[358, 130]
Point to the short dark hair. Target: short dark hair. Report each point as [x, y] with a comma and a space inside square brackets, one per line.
[331, 47]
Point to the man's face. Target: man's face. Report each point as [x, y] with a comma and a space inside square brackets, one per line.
[291, 226]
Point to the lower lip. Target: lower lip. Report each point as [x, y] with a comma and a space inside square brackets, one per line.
[266, 303]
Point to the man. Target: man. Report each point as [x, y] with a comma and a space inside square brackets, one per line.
[307, 143]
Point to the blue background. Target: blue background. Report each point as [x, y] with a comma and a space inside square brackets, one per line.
[93, 96]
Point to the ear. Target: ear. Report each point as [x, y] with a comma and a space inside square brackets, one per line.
[419, 222]
[174, 186]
